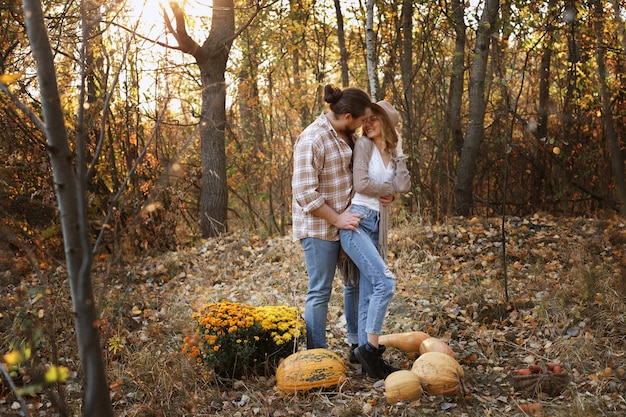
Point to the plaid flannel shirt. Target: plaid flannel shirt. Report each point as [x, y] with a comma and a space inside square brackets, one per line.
[322, 173]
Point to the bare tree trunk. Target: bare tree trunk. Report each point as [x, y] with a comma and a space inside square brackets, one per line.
[544, 72]
[408, 122]
[477, 106]
[617, 162]
[453, 130]
[343, 53]
[214, 199]
[543, 110]
[71, 202]
[455, 95]
[211, 58]
[406, 66]
[573, 57]
[298, 13]
[252, 135]
[91, 31]
[544, 91]
[370, 49]
[622, 35]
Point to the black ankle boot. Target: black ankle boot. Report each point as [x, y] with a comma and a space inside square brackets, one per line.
[387, 368]
[370, 359]
[353, 358]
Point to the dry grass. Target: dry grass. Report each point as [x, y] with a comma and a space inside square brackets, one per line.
[565, 305]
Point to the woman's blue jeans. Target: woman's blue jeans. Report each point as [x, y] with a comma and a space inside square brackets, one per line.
[377, 284]
[321, 261]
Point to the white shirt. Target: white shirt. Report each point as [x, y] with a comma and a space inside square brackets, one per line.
[377, 171]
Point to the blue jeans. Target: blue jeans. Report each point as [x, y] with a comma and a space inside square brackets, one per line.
[321, 261]
[377, 283]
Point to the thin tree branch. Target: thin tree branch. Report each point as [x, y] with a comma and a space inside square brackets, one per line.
[145, 38]
[31, 115]
[186, 43]
[259, 8]
[126, 179]
[107, 99]
[7, 376]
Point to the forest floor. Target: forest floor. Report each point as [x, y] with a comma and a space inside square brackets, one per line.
[563, 301]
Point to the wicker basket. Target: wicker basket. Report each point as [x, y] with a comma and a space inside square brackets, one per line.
[548, 383]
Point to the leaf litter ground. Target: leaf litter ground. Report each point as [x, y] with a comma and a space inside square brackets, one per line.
[565, 281]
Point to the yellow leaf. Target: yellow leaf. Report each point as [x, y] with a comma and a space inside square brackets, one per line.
[36, 298]
[56, 374]
[7, 79]
[12, 358]
[16, 357]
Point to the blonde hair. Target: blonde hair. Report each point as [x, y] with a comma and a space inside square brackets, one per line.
[388, 132]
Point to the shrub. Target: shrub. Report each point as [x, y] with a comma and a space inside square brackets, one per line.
[235, 339]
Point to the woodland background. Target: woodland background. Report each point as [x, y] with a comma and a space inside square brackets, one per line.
[508, 109]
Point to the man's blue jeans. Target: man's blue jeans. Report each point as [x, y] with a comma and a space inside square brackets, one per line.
[321, 261]
[377, 284]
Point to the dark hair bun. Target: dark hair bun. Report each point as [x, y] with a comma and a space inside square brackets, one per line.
[332, 94]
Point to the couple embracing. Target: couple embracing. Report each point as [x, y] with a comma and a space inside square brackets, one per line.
[341, 189]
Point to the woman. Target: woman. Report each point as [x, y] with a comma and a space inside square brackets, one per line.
[380, 173]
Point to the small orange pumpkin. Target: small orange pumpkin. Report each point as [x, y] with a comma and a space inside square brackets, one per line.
[433, 344]
[309, 369]
[440, 374]
[402, 385]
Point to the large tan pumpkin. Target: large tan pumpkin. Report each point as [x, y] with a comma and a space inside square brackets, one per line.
[433, 344]
[407, 341]
[402, 385]
[440, 374]
[309, 369]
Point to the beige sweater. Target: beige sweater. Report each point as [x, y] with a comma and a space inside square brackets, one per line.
[401, 183]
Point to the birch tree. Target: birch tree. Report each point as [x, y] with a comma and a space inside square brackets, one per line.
[370, 49]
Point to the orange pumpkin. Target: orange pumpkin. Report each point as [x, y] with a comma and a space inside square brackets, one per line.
[402, 385]
[440, 374]
[433, 344]
[407, 342]
[309, 369]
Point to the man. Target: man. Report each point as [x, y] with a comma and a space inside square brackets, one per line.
[322, 189]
